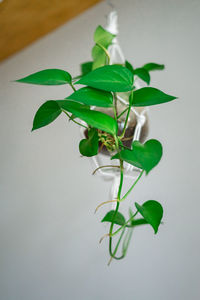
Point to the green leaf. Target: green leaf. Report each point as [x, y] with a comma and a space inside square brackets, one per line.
[103, 37]
[89, 147]
[94, 118]
[48, 77]
[131, 214]
[150, 96]
[143, 74]
[86, 67]
[144, 156]
[99, 57]
[93, 97]
[46, 114]
[112, 78]
[139, 222]
[153, 67]
[152, 212]
[129, 66]
[119, 218]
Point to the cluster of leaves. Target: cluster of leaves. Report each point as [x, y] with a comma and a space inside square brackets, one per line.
[102, 82]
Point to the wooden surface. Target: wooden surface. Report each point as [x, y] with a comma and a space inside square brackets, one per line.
[23, 21]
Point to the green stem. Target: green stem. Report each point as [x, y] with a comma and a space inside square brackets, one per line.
[110, 232]
[125, 224]
[127, 115]
[118, 197]
[122, 113]
[137, 223]
[118, 257]
[121, 179]
[115, 106]
[128, 236]
[76, 78]
[112, 254]
[72, 86]
[127, 241]
[74, 120]
[117, 205]
[133, 185]
[117, 245]
[105, 51]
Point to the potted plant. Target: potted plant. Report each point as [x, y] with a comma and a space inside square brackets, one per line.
[104, 103]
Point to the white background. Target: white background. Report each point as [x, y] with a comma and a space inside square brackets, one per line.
[49, 234]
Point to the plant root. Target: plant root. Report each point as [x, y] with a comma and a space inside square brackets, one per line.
[105, 235]
[110, 260]
[101, 167]
[110, 201]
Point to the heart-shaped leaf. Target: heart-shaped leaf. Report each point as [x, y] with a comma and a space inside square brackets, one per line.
[118, 219]
[94, 118]
[144, 156]
[143, 74]
[112, 78]
[89, 147]
[150, 96]
[48, 77]
[46, 114]
[152, 212]
[93, 97]
[153, 67]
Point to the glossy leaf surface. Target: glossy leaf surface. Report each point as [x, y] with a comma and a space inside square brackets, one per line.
[143, 74]
[86, 67]
[139, 222]
[113, 78]
[94, 118]
[48, 77]
[144, 156]
[152, 212]
[99, 57]
[92, 97]
[153, 67]
[129, 66]
[89, 147]
[46, 114]
[103, 37]
[119, 218]
[150, 96]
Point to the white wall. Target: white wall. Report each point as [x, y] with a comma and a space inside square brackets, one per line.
[49, 234]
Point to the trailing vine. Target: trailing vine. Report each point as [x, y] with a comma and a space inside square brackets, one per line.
[102, 83]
